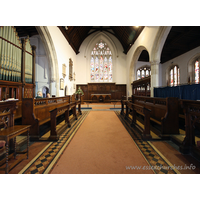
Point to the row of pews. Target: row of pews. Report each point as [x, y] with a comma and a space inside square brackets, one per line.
[165, 117]
[35, 113]
[38, 112]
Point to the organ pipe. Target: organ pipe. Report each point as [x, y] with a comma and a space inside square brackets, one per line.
[11, 52]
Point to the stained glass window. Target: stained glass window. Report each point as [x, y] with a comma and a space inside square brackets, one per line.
[197, 72]
[147, 73]
[138, 74]
[171, 75]
[174, 76]
[178, 76]
[101, 63]
[92, 68]
[143, 72]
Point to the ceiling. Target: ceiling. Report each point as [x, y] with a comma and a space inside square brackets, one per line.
[180, 39]
[23, 31]
[125, 34]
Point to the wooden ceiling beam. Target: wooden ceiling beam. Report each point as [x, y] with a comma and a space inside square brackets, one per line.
[120, 38]
[185, 32]
[63, 30]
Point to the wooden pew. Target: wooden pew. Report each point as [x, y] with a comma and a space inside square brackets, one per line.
[37, 112]
[9, 132]
[164, 112]
[192, 123]
[134, 109]
[55, 133]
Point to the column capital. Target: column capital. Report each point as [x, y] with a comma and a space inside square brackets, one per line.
[52, 79]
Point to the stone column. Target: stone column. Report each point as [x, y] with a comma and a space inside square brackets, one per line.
[154, 76]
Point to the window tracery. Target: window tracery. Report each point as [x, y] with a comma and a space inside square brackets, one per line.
[101, 63]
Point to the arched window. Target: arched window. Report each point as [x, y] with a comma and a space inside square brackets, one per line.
[101, 63]
[143, 72]
[174, 76]
[196, 71]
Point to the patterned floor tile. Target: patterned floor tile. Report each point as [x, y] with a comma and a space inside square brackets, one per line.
[155, 160]
[46, 160]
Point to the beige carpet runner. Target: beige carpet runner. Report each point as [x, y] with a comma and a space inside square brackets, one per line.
[102, 145]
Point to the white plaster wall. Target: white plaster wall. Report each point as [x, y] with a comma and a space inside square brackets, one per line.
[123, 64]
[182, 61]
[83, 58]
[42, 73]
[144, 41]
[64, 53]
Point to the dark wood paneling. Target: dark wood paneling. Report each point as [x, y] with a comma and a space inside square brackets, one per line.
[116, 90]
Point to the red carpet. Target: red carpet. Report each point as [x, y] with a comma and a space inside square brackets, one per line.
[101, 146]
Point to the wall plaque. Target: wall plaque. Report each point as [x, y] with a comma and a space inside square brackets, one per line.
[70, 69]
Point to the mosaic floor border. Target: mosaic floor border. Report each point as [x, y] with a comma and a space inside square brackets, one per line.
[158, 163]
[47, 158]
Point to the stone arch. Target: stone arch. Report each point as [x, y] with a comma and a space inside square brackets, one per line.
[159, 43]
[51, 54]
[132, 69]
[45, 90]
[155, 55]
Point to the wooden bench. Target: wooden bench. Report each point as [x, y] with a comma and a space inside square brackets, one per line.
[101, 97]
[9, 132]
[164, 112]
[134, 109]
[192, 124]
[37, 112]
[55, 133]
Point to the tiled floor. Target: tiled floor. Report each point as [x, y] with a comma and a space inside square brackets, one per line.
[163, 156]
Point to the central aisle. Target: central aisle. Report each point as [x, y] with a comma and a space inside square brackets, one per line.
[101, 146]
